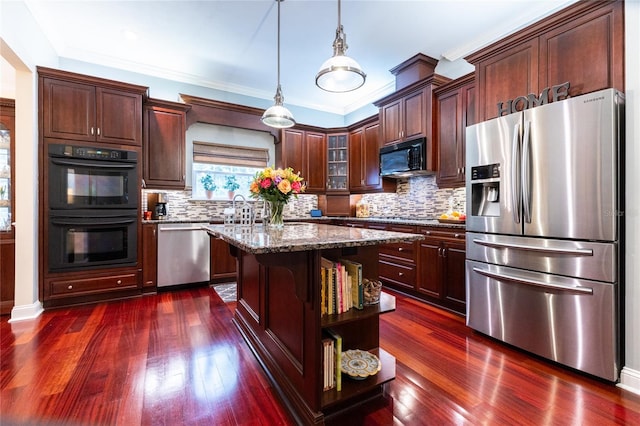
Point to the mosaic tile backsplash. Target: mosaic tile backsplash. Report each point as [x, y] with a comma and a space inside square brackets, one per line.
[417, 197]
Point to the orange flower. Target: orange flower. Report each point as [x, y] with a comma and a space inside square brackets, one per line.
[284, 186]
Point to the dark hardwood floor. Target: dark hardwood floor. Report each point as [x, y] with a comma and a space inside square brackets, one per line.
[176, 358]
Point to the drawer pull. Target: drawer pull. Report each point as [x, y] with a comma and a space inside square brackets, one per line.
[456, 236]
[428, 232]
[119, 282]
[399, 248]
[69, 287]
[400, 274]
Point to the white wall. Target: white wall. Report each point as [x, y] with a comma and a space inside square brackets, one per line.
[630, 377]
[23, 46]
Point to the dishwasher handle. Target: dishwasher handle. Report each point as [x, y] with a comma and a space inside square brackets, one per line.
[179, 229]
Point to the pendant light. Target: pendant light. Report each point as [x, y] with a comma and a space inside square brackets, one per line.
[340, 73]
[277, 115]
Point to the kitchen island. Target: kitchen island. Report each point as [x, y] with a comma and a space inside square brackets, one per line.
[278, 309]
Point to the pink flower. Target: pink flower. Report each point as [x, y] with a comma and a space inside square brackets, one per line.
[295, 186]
[265, 183]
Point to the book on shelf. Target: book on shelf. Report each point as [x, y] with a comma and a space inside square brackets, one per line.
[337, 371]
[354, 269]
[328, 379]
[341, 286]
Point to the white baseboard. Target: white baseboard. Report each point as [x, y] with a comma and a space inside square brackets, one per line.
[630, 380]
[26, 312]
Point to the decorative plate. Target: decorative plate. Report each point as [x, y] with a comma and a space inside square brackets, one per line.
[456, 221]
[359, 364]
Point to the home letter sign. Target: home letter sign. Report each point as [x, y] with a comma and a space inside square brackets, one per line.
[561, 91]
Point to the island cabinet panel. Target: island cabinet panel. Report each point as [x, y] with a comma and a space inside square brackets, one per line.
[223, 263]
[582, 44]
[83, 108]
[279, 314]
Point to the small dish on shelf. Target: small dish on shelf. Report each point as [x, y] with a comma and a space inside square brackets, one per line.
[454, 221]
[359, 364]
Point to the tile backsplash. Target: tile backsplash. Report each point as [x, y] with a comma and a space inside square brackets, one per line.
[417, 197]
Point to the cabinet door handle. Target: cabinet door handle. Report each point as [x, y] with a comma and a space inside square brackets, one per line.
[92, 131]
[98, 131]
[154, 232]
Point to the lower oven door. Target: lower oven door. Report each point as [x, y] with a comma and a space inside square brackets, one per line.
[568, 320]
[92, 239]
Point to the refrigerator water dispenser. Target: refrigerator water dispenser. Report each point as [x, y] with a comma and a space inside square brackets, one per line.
[485, 190]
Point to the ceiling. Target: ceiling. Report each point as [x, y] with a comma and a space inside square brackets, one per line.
[231, 45]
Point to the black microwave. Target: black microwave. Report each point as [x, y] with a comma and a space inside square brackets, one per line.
[404, 159]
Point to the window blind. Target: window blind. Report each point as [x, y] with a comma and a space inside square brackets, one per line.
[205, 152]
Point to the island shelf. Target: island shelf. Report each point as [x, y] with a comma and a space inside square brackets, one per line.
[278, 310]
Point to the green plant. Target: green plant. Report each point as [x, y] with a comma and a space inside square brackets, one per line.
[207, 183]
[231, 184]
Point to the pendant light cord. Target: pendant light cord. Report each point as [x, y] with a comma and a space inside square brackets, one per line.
[279, 1]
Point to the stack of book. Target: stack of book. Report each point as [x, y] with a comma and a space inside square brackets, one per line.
[341, 286]
[331, 360]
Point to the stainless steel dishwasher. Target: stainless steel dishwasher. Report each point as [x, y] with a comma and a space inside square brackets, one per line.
[183, 254]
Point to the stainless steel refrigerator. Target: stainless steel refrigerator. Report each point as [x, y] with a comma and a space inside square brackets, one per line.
[544, 217]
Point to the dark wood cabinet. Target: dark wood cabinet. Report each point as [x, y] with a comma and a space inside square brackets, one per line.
[441, 273]
[164, 144]
[315, 172]
[149, 256]
[82, 108]
[405, 118]
[454, 110]
[7, 205]
[582, 44]
[407, 114]
[432, 269]
[223, 263]
[398, 261]
[364, 160]
[279, 314]
[305, 152]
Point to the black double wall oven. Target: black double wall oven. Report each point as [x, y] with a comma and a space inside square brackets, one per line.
[93, 207]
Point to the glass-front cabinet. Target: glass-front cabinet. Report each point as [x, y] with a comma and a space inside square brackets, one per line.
[338, 162]
[7, 213]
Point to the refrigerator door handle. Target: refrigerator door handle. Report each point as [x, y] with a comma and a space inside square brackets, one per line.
[555, 250]
[515, 173]
[526, 172]
[531, 282]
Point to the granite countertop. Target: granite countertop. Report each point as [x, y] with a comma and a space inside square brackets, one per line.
[302, 236]
[391, 220]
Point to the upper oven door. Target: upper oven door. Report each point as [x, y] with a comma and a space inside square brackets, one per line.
[76, 183]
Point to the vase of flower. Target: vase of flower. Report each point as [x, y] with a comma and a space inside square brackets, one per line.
[276, 187]
[274, 214]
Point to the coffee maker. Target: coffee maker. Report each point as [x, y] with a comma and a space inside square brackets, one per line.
[157, 204]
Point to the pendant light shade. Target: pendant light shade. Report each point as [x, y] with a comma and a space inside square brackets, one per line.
[340, 73]
[277, 115]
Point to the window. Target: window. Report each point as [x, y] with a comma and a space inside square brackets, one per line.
[222, 171]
